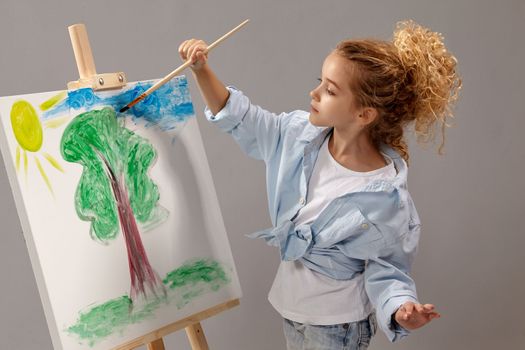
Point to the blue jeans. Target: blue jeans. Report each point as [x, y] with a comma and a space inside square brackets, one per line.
[344, 336]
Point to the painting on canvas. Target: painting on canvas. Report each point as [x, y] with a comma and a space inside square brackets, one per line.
[119, 211]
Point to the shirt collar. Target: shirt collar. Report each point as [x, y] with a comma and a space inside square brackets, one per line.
[316, 135]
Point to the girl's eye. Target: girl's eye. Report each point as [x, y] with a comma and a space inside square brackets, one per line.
[330, 92]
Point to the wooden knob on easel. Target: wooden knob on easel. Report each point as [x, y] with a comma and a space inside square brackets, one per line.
[82, 50]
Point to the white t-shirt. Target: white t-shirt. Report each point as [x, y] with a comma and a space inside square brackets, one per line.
[304, 295]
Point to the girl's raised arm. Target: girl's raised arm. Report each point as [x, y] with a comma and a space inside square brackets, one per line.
[212, 89]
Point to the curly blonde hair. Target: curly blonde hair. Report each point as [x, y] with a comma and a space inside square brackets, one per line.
[411, 78]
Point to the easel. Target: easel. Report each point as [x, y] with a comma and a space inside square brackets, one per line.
[90, 79]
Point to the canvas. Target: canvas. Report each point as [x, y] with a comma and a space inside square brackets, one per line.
[118, 211]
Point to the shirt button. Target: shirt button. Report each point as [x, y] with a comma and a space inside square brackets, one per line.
[302, 201]
[365, 226]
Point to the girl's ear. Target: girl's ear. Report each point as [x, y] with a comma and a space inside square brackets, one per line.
[368, 115]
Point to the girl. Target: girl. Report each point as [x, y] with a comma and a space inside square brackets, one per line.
[344, 222]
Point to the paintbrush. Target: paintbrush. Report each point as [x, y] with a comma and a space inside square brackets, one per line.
[178, 70]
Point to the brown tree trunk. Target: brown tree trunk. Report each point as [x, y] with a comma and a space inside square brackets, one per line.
[145, 282]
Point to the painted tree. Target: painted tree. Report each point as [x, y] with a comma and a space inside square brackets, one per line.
[115, 191]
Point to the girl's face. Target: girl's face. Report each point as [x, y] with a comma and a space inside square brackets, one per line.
[333, 104]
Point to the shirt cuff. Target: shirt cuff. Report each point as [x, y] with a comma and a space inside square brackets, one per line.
[393, 331]
[233, 111]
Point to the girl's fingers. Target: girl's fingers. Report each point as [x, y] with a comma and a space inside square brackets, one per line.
[430, 316]
[186, 47]
[195, 51]
[409, 308]
[182, 50]
[406, 314]
[189, 49]
[198, 48]
[202, 56]
[196, 45]
[419, 308]
[428, 308]
[412, 317]
[424, 308]
[191, 52]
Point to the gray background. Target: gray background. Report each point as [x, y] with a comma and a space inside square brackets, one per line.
[470, 262]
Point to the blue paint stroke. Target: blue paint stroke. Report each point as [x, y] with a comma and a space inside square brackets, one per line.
[166, 108]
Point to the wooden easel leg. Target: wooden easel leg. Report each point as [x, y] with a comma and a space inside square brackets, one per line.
[153, 340]
[196, 336]
[156, 345]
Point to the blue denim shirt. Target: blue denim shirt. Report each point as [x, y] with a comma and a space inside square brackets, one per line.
[373, 230]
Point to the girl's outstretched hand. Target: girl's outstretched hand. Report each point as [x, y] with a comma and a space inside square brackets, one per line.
[412, 316]
[194, 49]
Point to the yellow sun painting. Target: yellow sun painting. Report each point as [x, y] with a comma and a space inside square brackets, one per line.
[29, 134]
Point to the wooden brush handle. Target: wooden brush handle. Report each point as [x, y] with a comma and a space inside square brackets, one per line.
[181, 67]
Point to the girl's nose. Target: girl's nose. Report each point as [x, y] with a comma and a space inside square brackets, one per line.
[313, 95]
